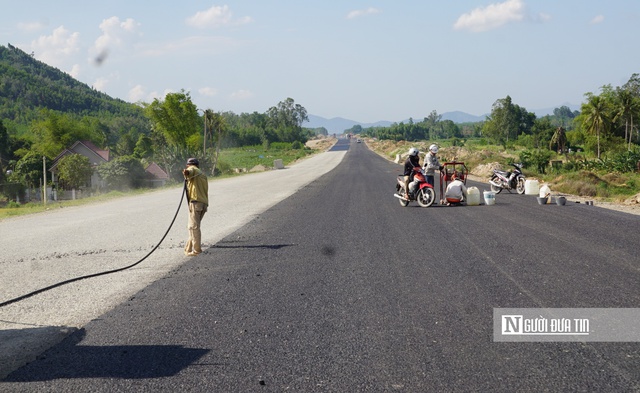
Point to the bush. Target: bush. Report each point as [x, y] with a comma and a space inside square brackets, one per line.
[536, 159]
[281, 145]
[122, 172]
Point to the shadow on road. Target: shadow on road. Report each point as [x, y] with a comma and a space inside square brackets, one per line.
[70, 360]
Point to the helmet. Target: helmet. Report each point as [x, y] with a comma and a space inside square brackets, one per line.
[413, 152]
[193, 161]
[433, 148]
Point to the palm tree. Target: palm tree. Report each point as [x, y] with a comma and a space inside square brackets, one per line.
[626, 106]
[209, 120]
[559, 138]
[218, 123]
[596, 116]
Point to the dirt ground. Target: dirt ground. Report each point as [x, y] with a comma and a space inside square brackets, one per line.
[321, 143]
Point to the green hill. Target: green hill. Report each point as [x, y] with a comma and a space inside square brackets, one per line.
[27, 85]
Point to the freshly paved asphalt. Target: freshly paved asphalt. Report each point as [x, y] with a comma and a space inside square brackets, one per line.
[338, 288]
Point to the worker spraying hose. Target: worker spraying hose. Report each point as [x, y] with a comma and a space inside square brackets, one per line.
[197, 187]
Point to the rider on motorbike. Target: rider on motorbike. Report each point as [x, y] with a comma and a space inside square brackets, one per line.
[412, 161]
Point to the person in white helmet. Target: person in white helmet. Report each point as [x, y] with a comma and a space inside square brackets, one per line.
[413, 160]
[431, 164]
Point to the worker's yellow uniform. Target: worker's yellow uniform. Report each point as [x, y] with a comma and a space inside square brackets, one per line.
[198, 194]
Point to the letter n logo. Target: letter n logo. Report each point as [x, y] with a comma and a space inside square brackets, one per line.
[512, 324]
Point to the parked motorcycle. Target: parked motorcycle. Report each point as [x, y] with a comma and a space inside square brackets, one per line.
[501, 180]
[419, 190]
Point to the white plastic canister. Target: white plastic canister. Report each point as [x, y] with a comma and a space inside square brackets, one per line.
[531, 187]
[489, 198]
[473, 196]
[545, 191]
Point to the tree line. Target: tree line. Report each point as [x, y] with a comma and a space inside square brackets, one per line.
[607, 123]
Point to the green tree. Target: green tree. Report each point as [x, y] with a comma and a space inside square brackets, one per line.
[57, 130]
[507, 121]
[5, 150]
[287, 118]
[219, 129]
[595, 116]
[450, 129]
[627, 107]
[74, 171]
[122, 173]
[559, 138]
[432, 121]
[29, 169]
[144, 147]
[176, 118]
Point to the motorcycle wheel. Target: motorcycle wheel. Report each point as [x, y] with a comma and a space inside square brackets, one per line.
[403, 203]
[520, 186]
[494, 188]
[426, 197]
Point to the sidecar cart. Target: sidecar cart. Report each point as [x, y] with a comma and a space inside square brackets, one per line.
[448, 169]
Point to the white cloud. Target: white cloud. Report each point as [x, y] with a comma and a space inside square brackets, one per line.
[216, 16]
[75, 71]
[358, 13]
[57, 47]
[207, 91]
[136, 93]
[597, 19]
[241, 95]
[100, 83]
[116, 34]
[492, 16]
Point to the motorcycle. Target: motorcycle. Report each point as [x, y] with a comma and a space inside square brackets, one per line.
[419, 190]
[501, 180]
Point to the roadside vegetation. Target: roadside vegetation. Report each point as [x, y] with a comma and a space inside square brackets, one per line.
[232, 162]
[594, 152]
[43, 112]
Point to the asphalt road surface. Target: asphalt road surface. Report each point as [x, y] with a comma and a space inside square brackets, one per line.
[338, 288]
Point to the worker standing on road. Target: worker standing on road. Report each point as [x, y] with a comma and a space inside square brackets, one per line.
[198, 196]
[431, 163]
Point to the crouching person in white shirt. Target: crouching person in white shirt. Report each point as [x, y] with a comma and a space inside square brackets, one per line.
[456, 191]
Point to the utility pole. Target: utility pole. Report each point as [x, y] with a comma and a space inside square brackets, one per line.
[44, 174]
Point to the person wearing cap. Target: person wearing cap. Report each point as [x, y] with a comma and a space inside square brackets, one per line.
[456, 190]
[197, 187]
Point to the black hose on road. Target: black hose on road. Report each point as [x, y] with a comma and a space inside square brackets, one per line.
[28, 295]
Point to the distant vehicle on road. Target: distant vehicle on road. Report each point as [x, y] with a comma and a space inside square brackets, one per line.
[358, 140]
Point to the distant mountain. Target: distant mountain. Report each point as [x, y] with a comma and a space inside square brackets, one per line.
[338, 125]
[462, 117]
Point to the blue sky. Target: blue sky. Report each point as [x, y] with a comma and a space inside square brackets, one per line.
[361, 60]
